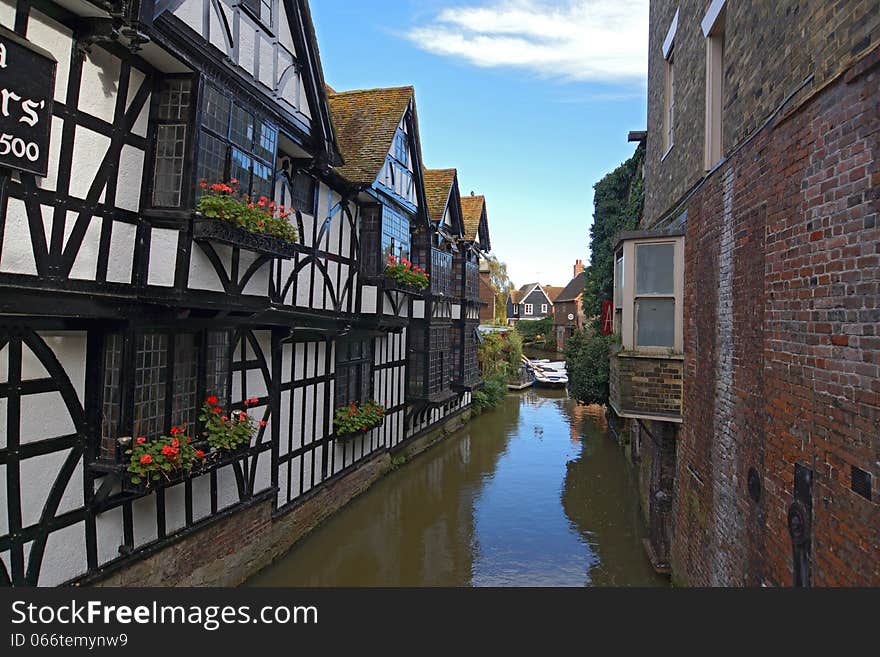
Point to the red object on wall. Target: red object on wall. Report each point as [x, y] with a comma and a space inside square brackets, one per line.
[607, 318]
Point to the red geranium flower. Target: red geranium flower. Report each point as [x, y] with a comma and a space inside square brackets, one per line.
[200, 454]
[141, 440]
[169, 451]
[212, 400]
[217, 410]
[175, 443]
[146, 459]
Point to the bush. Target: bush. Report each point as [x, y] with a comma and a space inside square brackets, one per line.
[491, 394]
[530, 330]
[587, 360]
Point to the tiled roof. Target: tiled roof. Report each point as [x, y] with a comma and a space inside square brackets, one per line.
[516, 296]
[365, 122]
[552, 291]
[574, 289]
[472, 212]
[438, 184]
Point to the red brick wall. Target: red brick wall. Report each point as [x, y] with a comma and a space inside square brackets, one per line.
[782, 309]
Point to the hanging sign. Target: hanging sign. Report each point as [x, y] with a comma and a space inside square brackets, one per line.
[27, 85]
[607, 318]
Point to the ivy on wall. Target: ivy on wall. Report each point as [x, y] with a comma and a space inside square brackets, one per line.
[619, 200]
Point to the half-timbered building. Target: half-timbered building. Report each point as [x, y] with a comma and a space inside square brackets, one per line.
[122, 308]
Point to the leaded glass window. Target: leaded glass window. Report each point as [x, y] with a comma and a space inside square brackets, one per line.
[112, 391]
[171, 128]
[150, 365]
[236, 144]
[395, 234]
[354, 374]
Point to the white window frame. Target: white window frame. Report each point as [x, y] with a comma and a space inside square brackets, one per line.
[669, 87]
[628, 326]
[713, 30]
[543, 308]
[528, 309]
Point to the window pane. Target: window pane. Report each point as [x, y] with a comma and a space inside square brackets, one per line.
[240, 170]
[618, 281]
[266, 141]
[655, 322]
[217, 365]
[242, 132]
[174, 98]
[303, 193]
[395, 234]
[151, 356]
[215, 111]
[262, 181]
[212, 159]
[184, 404]
[168, 172]
[655, 269]
[110, 406]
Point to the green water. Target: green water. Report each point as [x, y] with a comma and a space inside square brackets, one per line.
[533, 493]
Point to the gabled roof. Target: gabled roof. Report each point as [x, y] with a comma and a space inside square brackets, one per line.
[526, 290]
[472, 211]
[515, 296]
[552, 292]
[365, 122]
[574, 288]
[438, 186]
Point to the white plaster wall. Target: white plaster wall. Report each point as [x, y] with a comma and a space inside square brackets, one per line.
[163, 256]
[128, 180]
[201, 272]
[121, 257]
[17, 255]
[85, 266]
[100, 84]
[89, 148]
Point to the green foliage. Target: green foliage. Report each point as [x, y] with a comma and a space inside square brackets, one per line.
[619, 201]
[492, 393]
[152, 460]
[227, 432]
[406, 273]
[501, 285]
[358, 417]
[531, 329]
[223, 201]
[586, 357]
[500, 354]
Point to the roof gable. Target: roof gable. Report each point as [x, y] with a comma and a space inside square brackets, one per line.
[476, 222]
[366, 122]
[574, 288]
[442, 195]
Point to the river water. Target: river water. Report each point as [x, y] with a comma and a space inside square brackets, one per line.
[533, 493]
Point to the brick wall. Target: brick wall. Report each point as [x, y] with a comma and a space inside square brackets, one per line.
[782, 367]
[770, 48]
[650, 386]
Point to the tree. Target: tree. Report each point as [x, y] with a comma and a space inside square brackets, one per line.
[501, 285]
[619, 201]
[586, 358]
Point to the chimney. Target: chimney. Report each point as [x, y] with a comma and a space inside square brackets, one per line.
[578, 267]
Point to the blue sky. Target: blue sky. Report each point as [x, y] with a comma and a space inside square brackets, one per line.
[530, 100]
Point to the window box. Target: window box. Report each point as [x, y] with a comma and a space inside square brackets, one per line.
[217, 230]
[357, 419]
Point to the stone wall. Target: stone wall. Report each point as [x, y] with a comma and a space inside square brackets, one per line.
[782, 309]
[770, 48]
[230, 549]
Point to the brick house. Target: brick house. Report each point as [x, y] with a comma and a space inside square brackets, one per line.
[568, 311]
[747, 304]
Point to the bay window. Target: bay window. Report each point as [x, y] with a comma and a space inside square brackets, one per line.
[156, 379]
[648, 287]
[227, 141]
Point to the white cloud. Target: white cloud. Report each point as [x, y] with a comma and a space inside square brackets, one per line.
[583, 40]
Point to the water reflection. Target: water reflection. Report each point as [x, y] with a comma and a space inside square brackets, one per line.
[531, 494]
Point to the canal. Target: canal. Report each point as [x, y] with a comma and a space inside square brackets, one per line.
[533, 493]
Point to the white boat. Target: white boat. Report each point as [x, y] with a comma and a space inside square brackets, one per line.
[550, 378]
